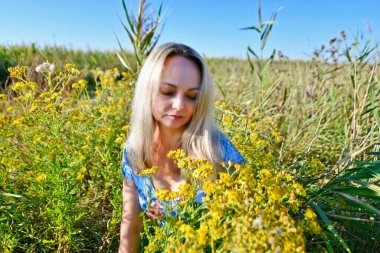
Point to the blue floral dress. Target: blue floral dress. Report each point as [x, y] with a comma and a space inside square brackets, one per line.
[146, 192]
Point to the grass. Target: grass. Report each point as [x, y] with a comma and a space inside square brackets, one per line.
[326, 114]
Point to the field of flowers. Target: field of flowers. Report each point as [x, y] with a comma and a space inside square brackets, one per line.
[309, 130]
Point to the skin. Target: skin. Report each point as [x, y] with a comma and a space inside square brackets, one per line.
[172, 110]
[176, 100]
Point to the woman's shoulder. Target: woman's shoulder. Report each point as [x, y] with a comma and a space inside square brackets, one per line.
[125, 165]
[230, 152]
[142, 182]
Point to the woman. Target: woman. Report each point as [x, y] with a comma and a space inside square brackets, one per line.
[172, 108]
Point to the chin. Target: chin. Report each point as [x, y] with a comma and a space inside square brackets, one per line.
[175, 125]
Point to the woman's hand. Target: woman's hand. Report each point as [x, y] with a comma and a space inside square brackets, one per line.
[131, 222]
[154, 211]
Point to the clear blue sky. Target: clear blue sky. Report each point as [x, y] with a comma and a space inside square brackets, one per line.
[210, 26]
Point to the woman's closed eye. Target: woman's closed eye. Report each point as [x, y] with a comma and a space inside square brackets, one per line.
[192, 97]
[167, 93]
[172, 93]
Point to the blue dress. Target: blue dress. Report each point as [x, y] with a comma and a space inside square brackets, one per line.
[146, 192]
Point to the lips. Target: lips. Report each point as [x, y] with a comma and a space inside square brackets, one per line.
[175, 117]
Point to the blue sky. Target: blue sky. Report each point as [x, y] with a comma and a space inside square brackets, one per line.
[212, 27]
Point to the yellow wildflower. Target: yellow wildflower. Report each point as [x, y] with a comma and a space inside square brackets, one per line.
[71, 69]
[310, 215]
[18, 86]
[187, 230]
[299, 189]
[149, 171]
[162, 195]
[208, 188]
[105, 109]
[19, 121]
[33, 108]
[126, 127]
[80, 176]
[41, 177]
[17, 71]
[85, 147]
[202, 235]
[151, 248]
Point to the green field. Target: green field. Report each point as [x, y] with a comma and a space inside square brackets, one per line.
[309, 129]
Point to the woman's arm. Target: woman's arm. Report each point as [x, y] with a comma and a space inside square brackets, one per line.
[131, 222]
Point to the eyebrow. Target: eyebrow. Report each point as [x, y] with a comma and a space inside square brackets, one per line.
[175, 86]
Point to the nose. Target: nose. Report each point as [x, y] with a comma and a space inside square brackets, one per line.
[179, 102]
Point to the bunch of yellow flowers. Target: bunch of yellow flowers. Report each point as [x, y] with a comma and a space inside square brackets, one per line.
[245, 209]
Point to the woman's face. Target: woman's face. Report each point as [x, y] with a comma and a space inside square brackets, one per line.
[175, 102]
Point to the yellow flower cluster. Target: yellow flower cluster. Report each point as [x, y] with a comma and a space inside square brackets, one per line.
[60, 147]
[248, 210]
[195, 170]
[71, 69]
[17, 72]
[254, 135]
[149, 171]
[80, 85]
[60, 151]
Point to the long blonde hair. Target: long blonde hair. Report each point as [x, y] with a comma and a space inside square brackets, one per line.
[200, 138]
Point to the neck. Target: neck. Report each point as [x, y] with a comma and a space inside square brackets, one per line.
[167, 139]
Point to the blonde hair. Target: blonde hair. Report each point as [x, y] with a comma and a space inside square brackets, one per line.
[200, 138]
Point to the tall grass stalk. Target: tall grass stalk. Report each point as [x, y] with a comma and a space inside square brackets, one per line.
[142, 31]
[259, 65]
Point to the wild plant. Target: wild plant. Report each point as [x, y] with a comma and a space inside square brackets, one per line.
[142, 31]
[259, 65]
[60, 178]
[252, 207]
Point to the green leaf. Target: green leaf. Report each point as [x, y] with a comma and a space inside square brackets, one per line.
[368, 163]
[360, 203]
[131, 38]
[361, 191]
[327, 242]
[252, 52]
[329, 226]
[267, 30]
[273, 54]
[269, 61]
[250, 63]
[367, 190]
[123, 61]
[373, 187]
[251, 28]
[352, 219]
[128, 17]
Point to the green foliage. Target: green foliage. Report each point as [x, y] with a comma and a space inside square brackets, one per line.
[142, 33]
[259, 65]
[33, 55]
[59, 165]
[34, 126]
[315, 123]
[349, 205]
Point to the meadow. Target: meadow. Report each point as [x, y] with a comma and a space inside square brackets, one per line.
[309, 130]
